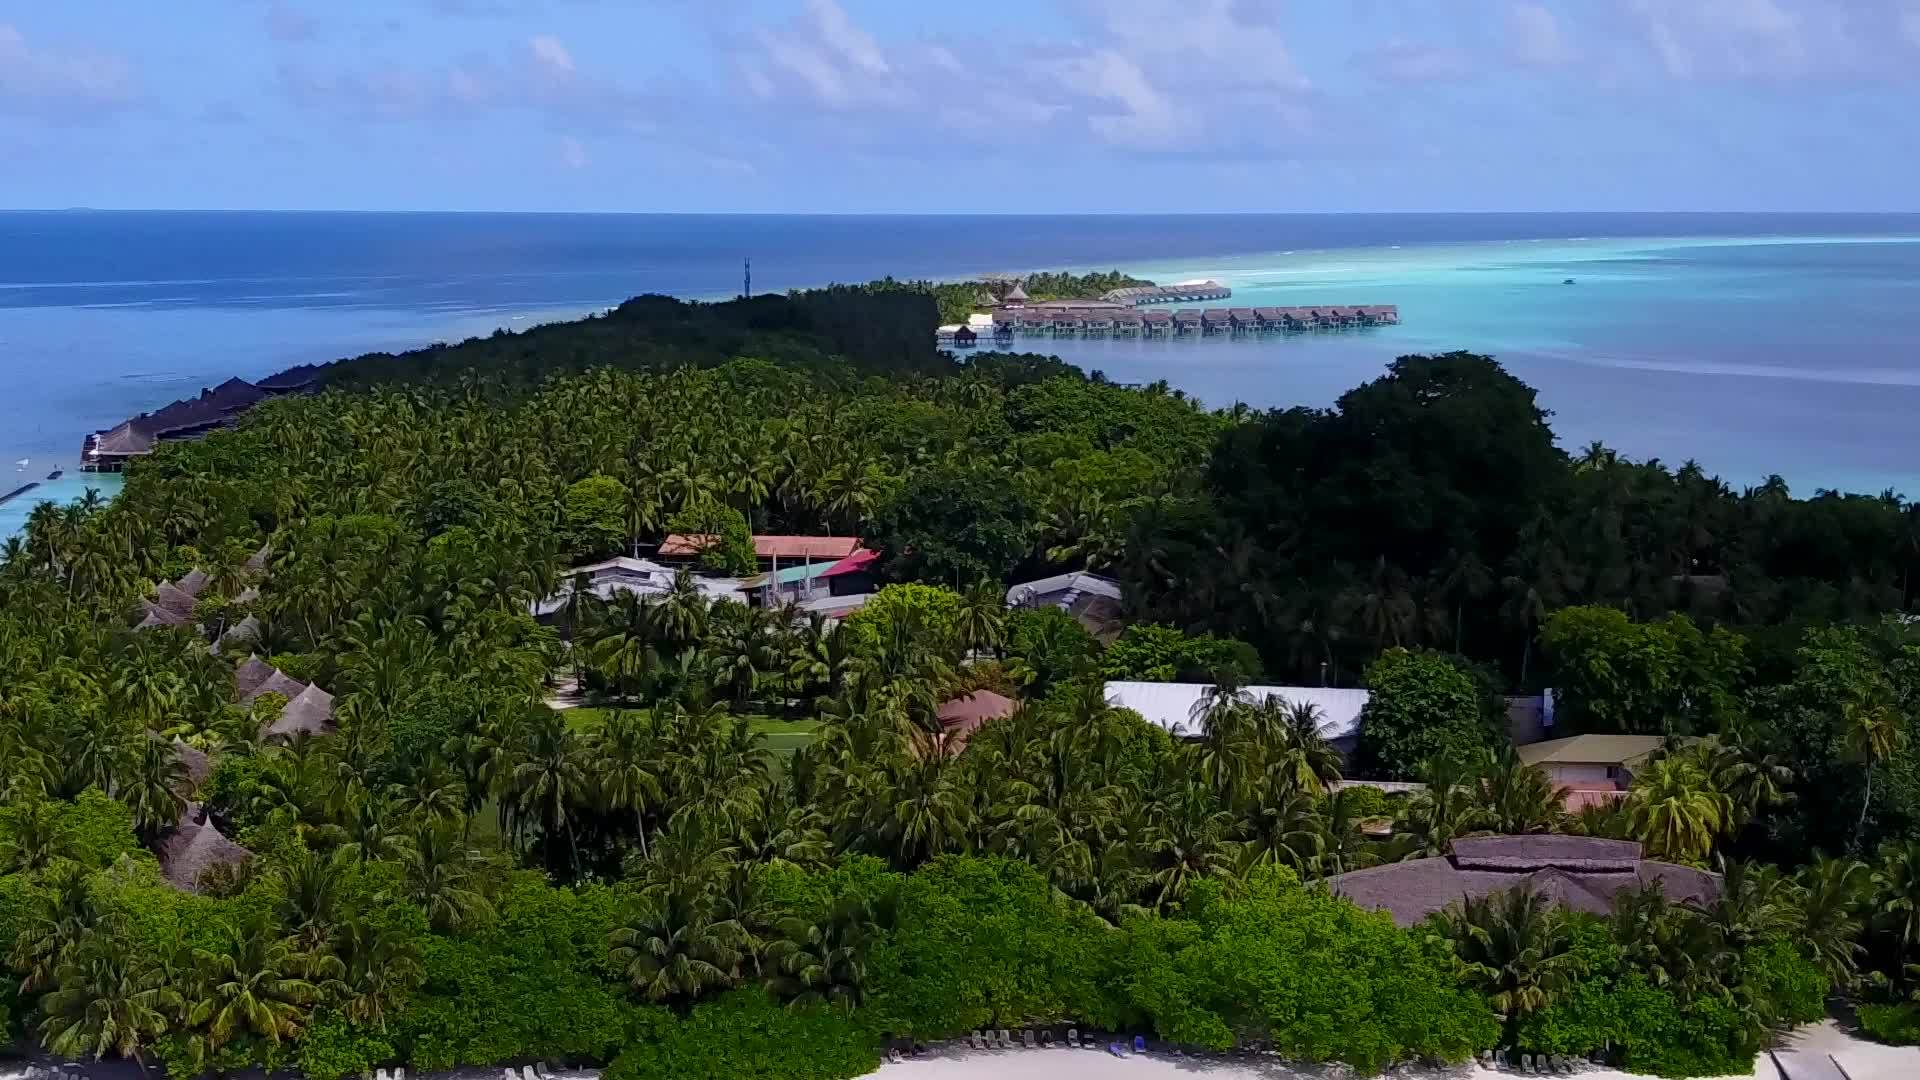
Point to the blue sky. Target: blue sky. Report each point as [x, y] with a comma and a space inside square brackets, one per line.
[988, 105]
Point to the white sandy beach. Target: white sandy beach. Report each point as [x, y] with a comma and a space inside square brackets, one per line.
[1862, 1061]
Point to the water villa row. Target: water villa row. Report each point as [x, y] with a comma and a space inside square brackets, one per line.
[1005, 324]
[189, 418]
[1180, 292]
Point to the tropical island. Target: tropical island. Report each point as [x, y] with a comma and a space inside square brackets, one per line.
[744, 689]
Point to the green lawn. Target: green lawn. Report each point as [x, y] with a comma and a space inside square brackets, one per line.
[783, 736]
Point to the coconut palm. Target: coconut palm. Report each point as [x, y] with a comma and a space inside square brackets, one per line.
[310, 887]
[1833, 891]
[1514, 947]
[251, 987]
[550, 781]
[824, 962]
[379, 968]
[1449, 805]
[445, 876]
[1872, 732]
[980, 620]
[1520, 798]
[155, 788]
[1675, 810]
[623, 766]
[683, 944]
[1896, 893]
[107, 998]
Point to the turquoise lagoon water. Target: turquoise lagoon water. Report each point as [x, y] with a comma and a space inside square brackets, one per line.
[70, 486]
[1795, 355]
[1752, 343]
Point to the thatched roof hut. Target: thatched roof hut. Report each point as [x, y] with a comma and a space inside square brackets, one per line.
[199, 765]
[308, 713]
[190, 849]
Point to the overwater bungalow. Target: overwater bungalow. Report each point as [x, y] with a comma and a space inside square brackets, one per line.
[964, 337]
[1215, 321]
[1179, 292]
[1097, 322]
[1128, 324]
[1186, 321]
[1156, 324]
[1243, 320]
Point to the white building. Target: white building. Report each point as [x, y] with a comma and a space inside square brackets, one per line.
[642, 577]
[1181, 708]
[1090, 598]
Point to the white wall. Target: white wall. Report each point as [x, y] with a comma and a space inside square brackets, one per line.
[1579, 774]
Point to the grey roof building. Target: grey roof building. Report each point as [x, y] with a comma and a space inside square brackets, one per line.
[1580, 872]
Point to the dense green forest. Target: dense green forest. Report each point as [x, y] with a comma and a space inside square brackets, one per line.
[958, 299]
[461, 875]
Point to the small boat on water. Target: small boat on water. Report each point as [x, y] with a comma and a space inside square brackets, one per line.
[56, 474]
[1569, 281]
[21, 465]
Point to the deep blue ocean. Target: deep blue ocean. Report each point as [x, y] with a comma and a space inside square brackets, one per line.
[1753, 343]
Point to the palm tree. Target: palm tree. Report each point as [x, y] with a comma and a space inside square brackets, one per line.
[108, 998]
[310, 885]
[622, 760]
[1675, 810]
[1832, 893]
[1755, 902]
[156, 790]
[980, 621]
[379, 967]
[250, 988]
[549, 781]
[1515, 948]
[684, 943]
[824, 963]
[1188, 839]
[61, 915]
[37, 838]
[1284, 829]
[1301, 755]
[1520, 798]
[1872, 732]
[1447, 806]
[444, 877]
[1896, 894]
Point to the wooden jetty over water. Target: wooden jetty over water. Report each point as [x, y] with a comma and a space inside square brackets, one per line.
[1094, 319]
[1180, 292]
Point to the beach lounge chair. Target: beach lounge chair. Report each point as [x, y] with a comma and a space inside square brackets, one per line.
[399, 1074]
[973, 1039]
[1139, 1044]
[1027, 1037]
[1073, 1038]
[1116, 1049]
[527, 1073]
[509, 1074]
[1526, 1063]
[1006, 1038]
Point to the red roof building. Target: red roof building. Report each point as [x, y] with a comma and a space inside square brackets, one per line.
[784, 548]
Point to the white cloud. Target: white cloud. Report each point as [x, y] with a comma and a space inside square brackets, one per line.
[34, 78]
[1409, 62]
[847, 41]
[1534, 36]
[1144, 116]
[1739, 38]
[1145, 75]
[548, 51]
[573, 153]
